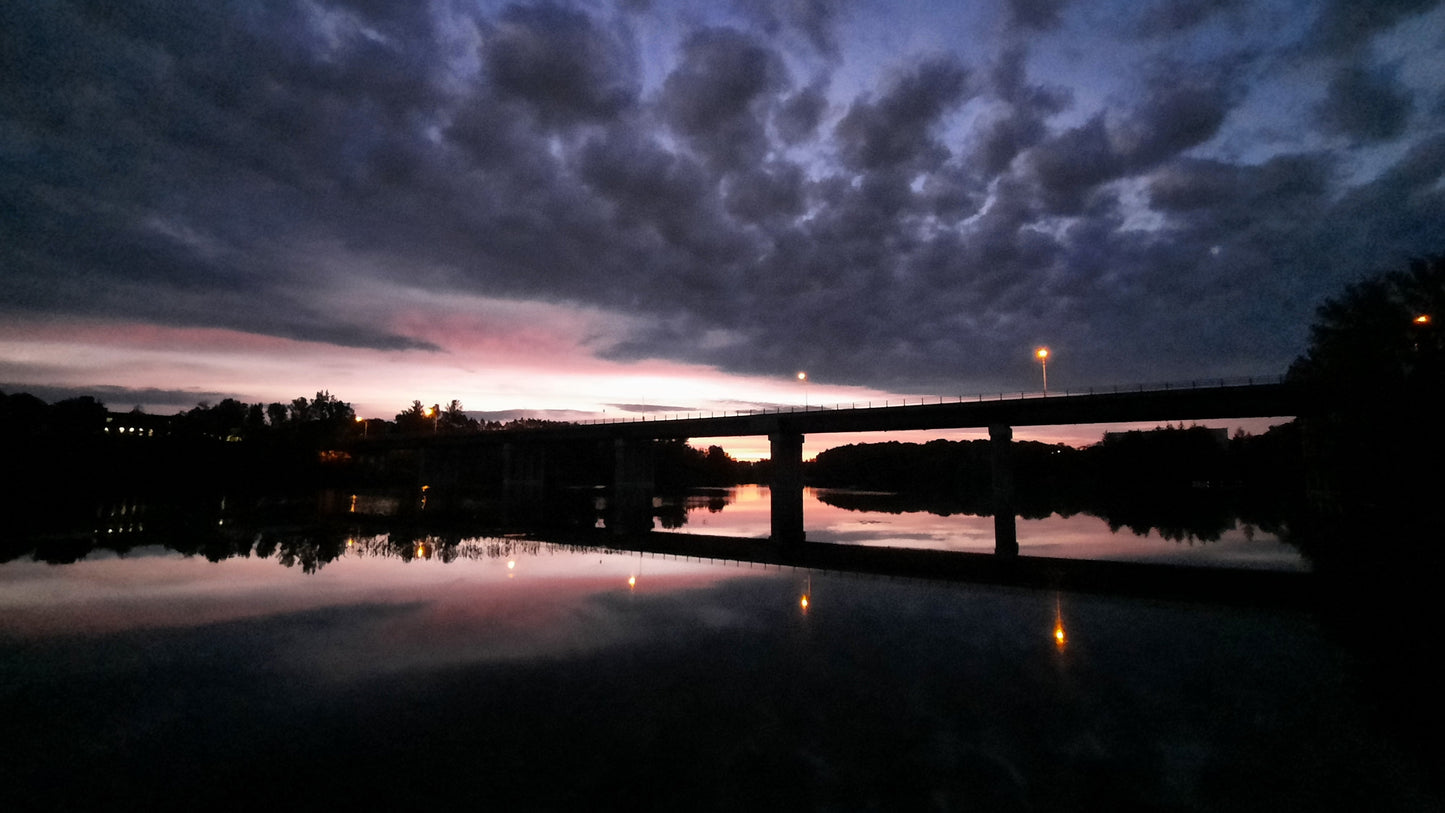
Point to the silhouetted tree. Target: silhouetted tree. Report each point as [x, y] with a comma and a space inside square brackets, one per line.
[1373, 446]
[1375, 377]
[453, 419]
[1382, 332]
[300, 410]
[328, 409]
[23, 414]
[413, 419]
[78, 416]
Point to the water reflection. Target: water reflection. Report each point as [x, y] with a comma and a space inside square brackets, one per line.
[722, 685]
[886, 519]
[308, 531]
[1059, 637]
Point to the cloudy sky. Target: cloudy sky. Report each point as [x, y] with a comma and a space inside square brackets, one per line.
[628, 206]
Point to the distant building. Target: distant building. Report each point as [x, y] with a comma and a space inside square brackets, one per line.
[1219, 436]
[138, 425]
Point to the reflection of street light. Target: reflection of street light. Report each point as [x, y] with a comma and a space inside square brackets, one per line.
[803, 377]
[1043, 355]
[1059, 638]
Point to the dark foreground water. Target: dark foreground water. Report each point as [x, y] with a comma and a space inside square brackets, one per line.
[525, 675]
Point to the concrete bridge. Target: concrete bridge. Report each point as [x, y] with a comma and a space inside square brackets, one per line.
[524, 451]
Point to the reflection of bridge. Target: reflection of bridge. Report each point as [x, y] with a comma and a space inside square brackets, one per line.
[525, 450]
[1172, 582]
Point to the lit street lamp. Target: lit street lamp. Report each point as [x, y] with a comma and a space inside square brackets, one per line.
[1043, 355]
[803, 377]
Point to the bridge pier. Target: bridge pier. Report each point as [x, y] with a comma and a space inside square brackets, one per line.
[524, 475]
[1005, 531]
[787, 486]
[632, 486]
[439, 469]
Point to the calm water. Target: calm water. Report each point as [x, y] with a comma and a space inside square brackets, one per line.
[522, 674]
[744, 511]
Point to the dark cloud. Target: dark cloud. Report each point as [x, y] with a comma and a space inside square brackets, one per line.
[1365, 105]
[1168, 17]
[766, 193]
[798, 116]
[1023, 112]
[1036, 15]
[1348, 24]
[898, 128]
[120, 399]
[1398, 213]
[718, 95]
[1069, 166]
[560, 63]
[1176, 116]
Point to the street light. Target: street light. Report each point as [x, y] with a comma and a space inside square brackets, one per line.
[803, 377]
[364, 427]
[1043, 355]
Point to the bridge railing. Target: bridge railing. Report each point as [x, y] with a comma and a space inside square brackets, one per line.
[1012, 395]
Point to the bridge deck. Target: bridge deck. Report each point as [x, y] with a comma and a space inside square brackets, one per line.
[1188, 404]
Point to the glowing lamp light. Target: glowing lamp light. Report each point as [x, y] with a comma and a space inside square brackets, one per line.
[1059, 634]
[1422, 319]
[804, 603]
[631, 582]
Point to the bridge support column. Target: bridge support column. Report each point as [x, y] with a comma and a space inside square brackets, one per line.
[787, 486]
[439, 468]
[524, 475]
[632, 486]
[1005, 532]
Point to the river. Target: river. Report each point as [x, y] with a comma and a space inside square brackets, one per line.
[329, 668]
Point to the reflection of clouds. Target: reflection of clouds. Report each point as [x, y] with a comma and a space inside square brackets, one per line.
[466, 624]
[171, 591]
[715, 675]
[373, 616]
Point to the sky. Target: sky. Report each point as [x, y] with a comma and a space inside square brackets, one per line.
[619, 209]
